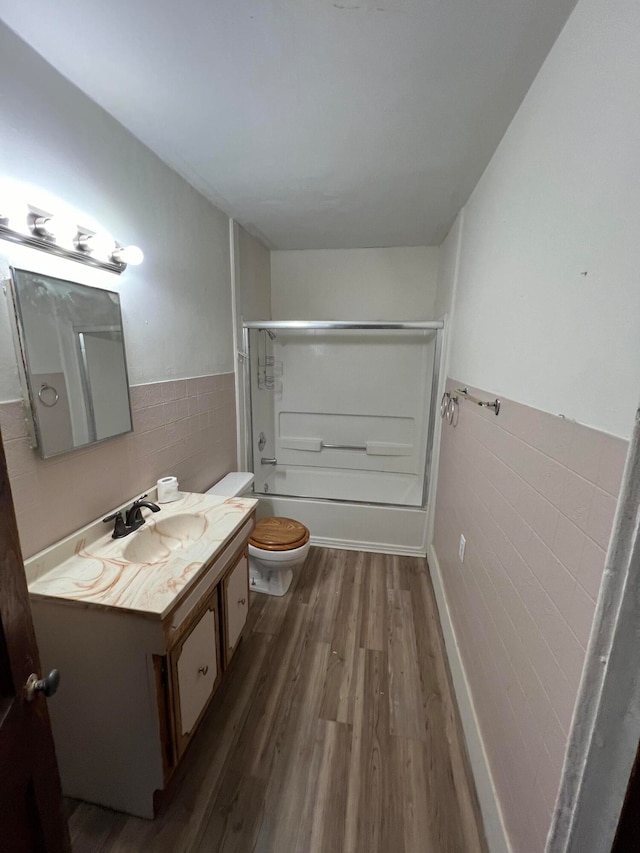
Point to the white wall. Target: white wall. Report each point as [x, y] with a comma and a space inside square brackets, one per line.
[448, 259]
[63, 153]
[254, 269]
[548, 300]
[252, 294]
[354, 284]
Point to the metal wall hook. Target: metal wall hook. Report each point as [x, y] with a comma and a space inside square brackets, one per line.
[444, 403]
[46, 387]
[486, 404]
[449, 408]
[453, 411]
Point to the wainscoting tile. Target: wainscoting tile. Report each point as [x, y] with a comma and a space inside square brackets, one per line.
[170, 436]
[580, 614]
[568, 544]
[589, 572]
[146, 395]
[553, 436]
[534, 494]
[600, 521]
[576, 499]
[587, 449]
[12, 422]
[612, 462]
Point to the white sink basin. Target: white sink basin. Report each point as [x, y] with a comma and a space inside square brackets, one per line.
[155, 542]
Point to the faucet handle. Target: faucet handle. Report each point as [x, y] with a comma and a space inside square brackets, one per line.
[119, 529]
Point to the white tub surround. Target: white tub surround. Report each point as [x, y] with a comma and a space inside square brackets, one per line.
[141, 646]
[353, 419]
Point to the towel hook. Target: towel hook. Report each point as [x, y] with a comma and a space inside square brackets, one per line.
[46, 387]
[449, 408]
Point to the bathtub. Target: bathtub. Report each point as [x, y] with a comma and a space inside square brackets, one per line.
[349, 509]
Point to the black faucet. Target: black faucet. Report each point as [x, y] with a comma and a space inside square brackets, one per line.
[134, 518]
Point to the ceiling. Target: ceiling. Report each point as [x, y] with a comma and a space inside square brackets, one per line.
[316, 124]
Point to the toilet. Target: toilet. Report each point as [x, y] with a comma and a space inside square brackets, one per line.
[277, 546]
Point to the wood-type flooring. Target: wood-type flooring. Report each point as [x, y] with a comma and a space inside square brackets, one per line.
[334, 731]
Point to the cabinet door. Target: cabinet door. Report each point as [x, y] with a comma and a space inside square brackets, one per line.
[235, 593]
[196, 672]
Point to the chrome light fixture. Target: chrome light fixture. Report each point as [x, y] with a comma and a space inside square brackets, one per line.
[101, 245]
[60, 236]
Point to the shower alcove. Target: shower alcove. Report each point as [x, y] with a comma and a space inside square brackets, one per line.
[340, 419]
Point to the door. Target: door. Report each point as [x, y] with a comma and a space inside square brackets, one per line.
[628, 831]
[235, 593]
[195, 671]
[31, 812]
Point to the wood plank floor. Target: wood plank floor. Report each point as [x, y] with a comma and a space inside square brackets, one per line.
[334, 732]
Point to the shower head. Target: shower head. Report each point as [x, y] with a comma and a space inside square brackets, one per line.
[271, 334]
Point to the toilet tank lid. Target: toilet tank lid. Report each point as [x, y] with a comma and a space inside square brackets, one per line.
[232, 485]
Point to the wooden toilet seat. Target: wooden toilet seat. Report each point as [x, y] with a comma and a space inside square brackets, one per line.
[279, 534]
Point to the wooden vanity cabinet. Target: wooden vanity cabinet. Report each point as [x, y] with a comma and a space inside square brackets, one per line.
[234, 600]
[135, 687]
[200, 651]
[195, 667]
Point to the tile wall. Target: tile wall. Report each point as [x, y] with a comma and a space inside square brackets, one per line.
[184, 427]
[534, 494]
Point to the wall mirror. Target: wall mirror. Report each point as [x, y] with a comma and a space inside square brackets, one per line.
[72, 362]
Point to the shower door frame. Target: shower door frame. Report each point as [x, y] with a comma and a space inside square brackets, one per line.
[436, 326]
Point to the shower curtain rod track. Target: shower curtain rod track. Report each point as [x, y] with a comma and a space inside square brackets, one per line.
[342, 324]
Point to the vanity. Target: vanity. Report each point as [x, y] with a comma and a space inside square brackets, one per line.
[142, 630]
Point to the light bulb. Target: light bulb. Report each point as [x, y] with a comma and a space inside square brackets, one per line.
[15, 215]
[129, 255]
[97, 244]
[63, 230]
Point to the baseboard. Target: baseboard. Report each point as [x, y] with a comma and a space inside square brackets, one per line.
[373, 547]
[495, 830]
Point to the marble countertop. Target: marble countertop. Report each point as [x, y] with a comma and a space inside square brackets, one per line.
[88, 567]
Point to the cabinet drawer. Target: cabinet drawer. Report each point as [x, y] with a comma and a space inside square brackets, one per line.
[195, 672]
[235, 593]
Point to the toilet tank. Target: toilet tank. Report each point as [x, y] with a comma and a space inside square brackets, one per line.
[232, 485]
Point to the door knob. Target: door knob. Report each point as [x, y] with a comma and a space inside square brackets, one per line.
[47, 685]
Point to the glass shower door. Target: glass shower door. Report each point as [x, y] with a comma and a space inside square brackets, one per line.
[342, 414]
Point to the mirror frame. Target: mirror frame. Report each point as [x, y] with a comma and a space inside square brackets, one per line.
[19, 340]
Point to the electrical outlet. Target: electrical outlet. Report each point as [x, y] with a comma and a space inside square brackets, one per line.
[461, 547]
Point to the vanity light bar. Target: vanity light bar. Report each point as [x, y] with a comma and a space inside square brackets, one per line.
[60, 236]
